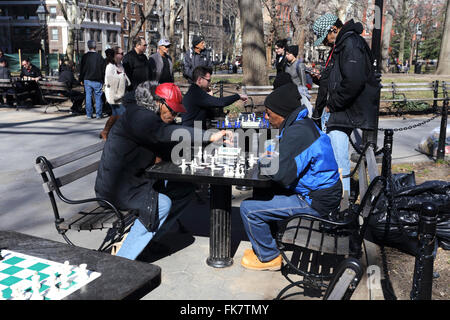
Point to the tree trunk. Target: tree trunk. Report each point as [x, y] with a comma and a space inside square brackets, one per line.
[404, 26]
[444, 58]
[253, 48]
[186, 26]
[387, 29]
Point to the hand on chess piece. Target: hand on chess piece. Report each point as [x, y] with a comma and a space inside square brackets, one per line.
[218, 136]
[244, 97]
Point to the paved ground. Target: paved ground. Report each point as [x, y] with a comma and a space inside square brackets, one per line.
[24, 207]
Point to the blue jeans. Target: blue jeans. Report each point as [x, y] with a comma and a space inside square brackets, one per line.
[117, 109]
[139, 237]
[96, 87]
[256, 216]
[340, 144]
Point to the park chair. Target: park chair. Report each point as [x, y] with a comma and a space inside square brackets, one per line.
[98, 214]
[313, 247]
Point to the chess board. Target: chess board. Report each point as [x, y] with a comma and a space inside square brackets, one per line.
[17, 269]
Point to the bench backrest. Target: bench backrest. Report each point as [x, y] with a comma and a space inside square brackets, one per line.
[52, 86]
[45, 167]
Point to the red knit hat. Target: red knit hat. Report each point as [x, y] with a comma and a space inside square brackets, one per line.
[172, 95]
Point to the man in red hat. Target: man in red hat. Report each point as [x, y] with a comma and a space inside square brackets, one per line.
[140, 138]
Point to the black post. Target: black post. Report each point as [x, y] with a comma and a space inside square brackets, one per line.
[435, 94]
[220, 227]
[372, 135]
[387, 153]
[440, 156]
[423, 268]
[221, 89]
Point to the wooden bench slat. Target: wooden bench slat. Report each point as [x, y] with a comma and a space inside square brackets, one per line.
[72, 156]
[70, 177]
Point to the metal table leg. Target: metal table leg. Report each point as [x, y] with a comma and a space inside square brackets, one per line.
[220, 227]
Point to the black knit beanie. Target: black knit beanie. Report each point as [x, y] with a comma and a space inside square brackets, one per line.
[196, 40]
[284, 100]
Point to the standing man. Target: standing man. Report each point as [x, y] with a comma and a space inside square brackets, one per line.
[280, 55]
[160, 63]
[196, 57]
[135, 63]
[347, 97]
[306, 182]
[198, 102]
[92, 75]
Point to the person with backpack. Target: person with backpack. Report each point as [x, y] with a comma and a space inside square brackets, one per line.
[196, 57]
[348, 86]
[296, 68]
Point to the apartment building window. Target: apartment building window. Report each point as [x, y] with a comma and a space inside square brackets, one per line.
[99, 35]
[52, 11]
[55, 34]
[97, 16]
[114, 18]
[108, 17]
[91, 15]
[91, 34]
[133, 8]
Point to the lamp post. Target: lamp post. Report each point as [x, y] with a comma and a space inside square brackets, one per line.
[418, 66]
[42, 14]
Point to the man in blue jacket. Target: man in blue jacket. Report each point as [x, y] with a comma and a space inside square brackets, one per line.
[307, 176]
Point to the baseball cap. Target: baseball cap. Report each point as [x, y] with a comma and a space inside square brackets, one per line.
[171, 93]
[322, 26]
[164, 42]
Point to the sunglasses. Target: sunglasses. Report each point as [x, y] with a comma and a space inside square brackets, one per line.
[209, 80]
[172, 112]
[121, 53]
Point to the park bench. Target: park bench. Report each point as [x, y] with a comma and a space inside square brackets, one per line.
[54, 91]
[8, 87]
[86, 214]
[325, 251]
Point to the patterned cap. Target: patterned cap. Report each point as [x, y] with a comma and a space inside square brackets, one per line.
[322, 25]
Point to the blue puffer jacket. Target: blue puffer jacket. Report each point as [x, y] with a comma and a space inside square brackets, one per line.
[306, 163]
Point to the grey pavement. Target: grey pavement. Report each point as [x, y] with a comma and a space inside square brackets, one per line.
[28, 133]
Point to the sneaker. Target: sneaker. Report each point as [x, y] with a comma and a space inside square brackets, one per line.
[251, 261]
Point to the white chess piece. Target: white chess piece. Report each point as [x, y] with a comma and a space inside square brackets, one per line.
[199, 154]
[52, 283]
[35, 287]
[17, 293]
[65, 272]
[183, 165]
[83, 272]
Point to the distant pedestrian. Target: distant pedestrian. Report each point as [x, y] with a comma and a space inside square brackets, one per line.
[116, 82]
[280, 57]
[136, 64]
[198, 56]
[3, 58]
[4, 75]
[160, 63]
[92, 75]
[66, 75]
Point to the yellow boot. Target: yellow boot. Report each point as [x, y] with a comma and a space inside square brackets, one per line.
[251, 261]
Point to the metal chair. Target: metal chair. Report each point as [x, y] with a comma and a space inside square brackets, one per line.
[313, 247]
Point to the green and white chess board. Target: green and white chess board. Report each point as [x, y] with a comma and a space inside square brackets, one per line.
[17, 270]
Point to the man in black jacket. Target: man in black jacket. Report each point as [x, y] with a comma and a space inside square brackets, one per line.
[92, 76]
[141, 137]
[66, 75]
[136, 64]
[199, 102]
[197, 56]
[348, 86]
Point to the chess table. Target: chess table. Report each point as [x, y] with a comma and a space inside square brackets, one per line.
[120, 278]
[220, 202]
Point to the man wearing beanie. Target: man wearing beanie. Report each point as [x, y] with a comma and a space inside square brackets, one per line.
[195, 57]
[307, 177]
[296, 68]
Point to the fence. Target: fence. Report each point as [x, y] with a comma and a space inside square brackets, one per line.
[37, 59]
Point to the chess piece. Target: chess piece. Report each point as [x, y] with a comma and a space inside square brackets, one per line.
[65, 272]
[35, 287]
[53, 284]
[83, 272]
[17, 293]
[183, 165]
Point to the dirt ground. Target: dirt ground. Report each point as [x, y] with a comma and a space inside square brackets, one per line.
[401, 265]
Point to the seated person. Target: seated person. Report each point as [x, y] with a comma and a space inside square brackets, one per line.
[307, 175]
[31, 74]
[199, 103]
[139, 139]
[66, 75]
[29, 71]
[4, 75]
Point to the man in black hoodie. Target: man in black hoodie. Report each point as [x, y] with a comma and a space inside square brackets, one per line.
[348, 88]
[136, 64]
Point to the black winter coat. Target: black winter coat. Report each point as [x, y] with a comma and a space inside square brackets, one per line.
[133, 143]
[348, 85]
[136, 68]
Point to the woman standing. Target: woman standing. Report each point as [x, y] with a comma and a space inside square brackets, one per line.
[115, 83]
[280, 58]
